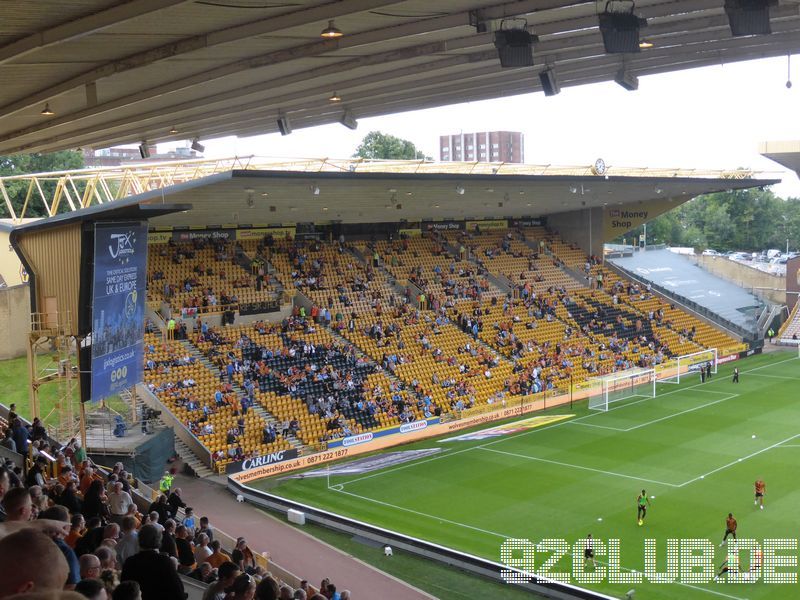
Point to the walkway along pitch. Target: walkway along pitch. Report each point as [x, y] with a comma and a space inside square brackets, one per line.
[291, 548]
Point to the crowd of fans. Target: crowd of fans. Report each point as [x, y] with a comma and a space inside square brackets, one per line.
[67, 526]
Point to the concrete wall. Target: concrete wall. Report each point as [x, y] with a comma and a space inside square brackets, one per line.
[584, 227]
[773, 286]
[15, 321]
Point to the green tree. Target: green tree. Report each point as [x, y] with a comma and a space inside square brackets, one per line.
[23, 164]
[384, 146]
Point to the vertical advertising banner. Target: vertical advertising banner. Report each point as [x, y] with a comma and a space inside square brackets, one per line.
[118, 297]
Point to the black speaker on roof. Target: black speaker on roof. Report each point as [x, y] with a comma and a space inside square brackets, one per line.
[749, 17]
[549, 82]
[284, 126]
[620, 27]
[515, 46]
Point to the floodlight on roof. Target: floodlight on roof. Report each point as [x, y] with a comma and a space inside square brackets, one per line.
[749, 17]
[335, 97]
[330, 31]
[620, 27]
[515, 44]
[46, 110]
[173, 130]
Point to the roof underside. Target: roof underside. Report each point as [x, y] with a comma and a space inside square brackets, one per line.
[274, 197]
[119, 72]
[786, 153]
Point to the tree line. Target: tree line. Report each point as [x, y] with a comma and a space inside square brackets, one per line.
[746, 220]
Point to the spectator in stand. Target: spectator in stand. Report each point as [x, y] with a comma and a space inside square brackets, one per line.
[17, 505]
[227, 573]
[267, 589]
[202, 551]
[153, 572]
[8, 440]
[108, 558]
[243, 557]
[160, 507]
[205, 528]
[203, 573]
[119, 502]
[168, 545]
[95, 501]
[185, 550]
[5, 485]
[69, 498]
[128, 544]
[31, 562]
[217, 557]
[127, 590]
[76, 530]
[92, 537]
[20, 434]
[93, 589]
[59, 513]
[243, 588]
[175, 502]
[90, 566]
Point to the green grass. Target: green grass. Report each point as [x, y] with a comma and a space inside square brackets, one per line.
[14, 377]
[583, 475]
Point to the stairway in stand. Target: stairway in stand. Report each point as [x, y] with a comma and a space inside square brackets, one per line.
[258, 408]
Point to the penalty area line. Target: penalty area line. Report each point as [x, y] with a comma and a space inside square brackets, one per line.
[581, 467]
[738, 460]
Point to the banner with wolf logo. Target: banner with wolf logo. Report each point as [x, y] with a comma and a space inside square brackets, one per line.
[118, 300]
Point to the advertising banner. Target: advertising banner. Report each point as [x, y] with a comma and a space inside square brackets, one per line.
[118, 301]
[363, 438]
[443, 225]
[487, 225]
[159, 237]
[204, 234]
[257, 233]
[619, 220]
[261, 461]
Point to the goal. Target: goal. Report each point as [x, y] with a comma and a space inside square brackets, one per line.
[672, 371]
[621, 386]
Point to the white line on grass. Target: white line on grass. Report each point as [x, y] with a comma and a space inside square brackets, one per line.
[422, 514]
[576, 422]
[581, 467]
[774, 376]
[683, 412]
[789, 446]
[738, 460]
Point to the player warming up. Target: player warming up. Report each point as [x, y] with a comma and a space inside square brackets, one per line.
[642, 502]
[730, 528]
[735, 374]
[588, 552]
[761, 489]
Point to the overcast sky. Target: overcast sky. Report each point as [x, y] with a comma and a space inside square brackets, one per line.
[712, 117]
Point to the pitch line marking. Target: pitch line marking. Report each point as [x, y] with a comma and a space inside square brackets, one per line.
[619, 429]
[422, 514]
[774, 376]
[738, 460]
[504, 536]
[683, 412]
[581, 467]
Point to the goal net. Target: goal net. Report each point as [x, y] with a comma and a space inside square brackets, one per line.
[672, 371]
[621, 386]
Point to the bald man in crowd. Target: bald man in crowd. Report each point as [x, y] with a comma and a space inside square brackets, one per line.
[31, 563]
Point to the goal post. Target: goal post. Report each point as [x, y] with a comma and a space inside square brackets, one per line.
[621, 386]
[672, 371]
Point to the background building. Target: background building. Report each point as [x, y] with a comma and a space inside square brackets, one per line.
[484, 146]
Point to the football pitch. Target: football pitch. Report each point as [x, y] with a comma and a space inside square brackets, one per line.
[695, 448]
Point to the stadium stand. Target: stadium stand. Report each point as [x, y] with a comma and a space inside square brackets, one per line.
[391, 331]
